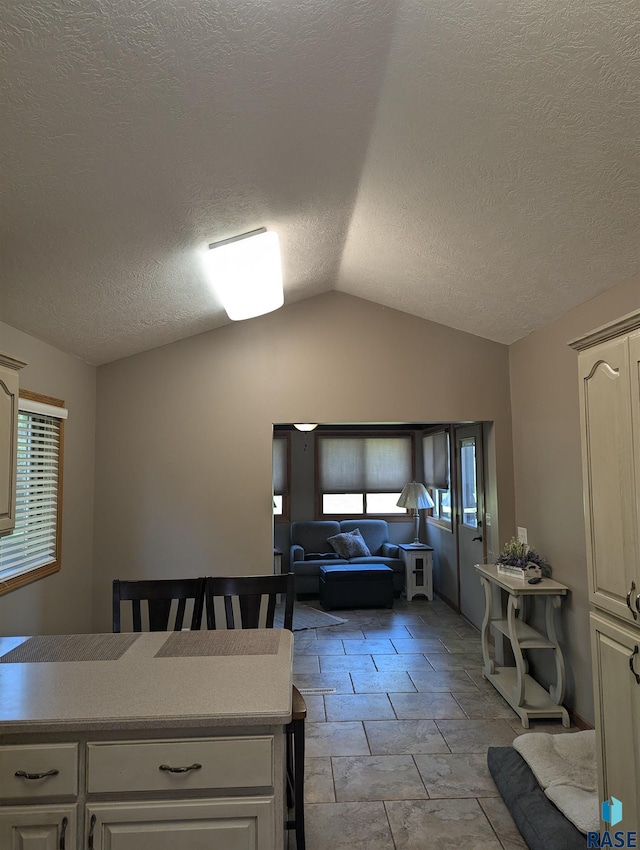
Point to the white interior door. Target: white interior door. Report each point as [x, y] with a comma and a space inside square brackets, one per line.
[470, 519]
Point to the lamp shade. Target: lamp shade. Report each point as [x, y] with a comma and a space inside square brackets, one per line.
[414, 495]
[246, 273]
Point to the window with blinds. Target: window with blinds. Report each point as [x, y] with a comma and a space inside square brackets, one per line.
[436, 459]
[281, 476]
[363, 476]
[32, 550]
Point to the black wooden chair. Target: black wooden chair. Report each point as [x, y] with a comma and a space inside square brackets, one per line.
[255, 606]
[159, 594]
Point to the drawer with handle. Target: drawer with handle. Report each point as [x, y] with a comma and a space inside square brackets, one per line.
[185, 765]
[38, 771]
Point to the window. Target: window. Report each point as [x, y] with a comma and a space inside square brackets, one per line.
[281, 477]
[436, 456]
[32, 550]
[360, 476]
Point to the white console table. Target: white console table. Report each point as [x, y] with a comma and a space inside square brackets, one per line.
[526, 696]
[418, 570]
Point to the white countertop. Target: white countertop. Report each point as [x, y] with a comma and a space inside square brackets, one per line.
[142, 691]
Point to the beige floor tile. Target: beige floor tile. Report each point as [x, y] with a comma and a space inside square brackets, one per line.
[347, 663]
[462, 644]
[443, 680]
[392, 630]
[396, 737]
[318, 781]
[425, 706]
[450, 661]
[335, 739]
[368, 647]
[315, 708]
[347, 826]
[306, 664]
[456, 775]
[502, 823]
[340, 681]
[358, 707]
[319, 647]
[390, 681]
[417, 645]
[440, 825]
[339, 632]
[552, 726]
[474, 736]
[485, 705]
[405, 661]
[393, 777]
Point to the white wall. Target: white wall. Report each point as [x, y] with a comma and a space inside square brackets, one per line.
[184, 432]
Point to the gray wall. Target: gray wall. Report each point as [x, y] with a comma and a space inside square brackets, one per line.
[183, 462]
[60, 603]
[548, 472]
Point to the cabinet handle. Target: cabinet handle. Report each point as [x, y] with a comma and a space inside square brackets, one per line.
[631, 589]
[24, 775]
[194, 766]
[65, 822]
[631, 660]
[92, 824]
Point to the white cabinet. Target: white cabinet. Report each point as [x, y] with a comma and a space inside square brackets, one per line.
[609, 370]
[9, 368]
[38, 828]
[227, 824]
[618, 713]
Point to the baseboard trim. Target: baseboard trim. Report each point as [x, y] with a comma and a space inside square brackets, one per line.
[579, 721]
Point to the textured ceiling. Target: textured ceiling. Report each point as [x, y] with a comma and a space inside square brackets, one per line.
[473, 162]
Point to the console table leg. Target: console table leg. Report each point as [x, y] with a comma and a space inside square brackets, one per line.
[489, 666]
[556, 692]
[512, 612]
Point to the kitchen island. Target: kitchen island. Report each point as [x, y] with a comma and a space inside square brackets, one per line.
[170, 741]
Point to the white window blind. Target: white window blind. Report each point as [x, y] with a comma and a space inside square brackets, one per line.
[280, 478]
[364, 464]
[34, 541]
[435, 454]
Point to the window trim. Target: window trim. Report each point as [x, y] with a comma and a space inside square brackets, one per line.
[30, 576]
[319, 515]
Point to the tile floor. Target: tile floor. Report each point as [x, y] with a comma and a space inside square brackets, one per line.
[396, 755]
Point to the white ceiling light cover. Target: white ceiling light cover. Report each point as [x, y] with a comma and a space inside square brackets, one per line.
[246, 274]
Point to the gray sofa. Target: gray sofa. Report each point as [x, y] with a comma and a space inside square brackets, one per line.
[310, 549]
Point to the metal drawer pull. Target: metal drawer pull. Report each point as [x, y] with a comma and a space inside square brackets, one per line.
[631, 589]
[631, 660]
[24, 775]
[65, 822]
[194, 766]
[92, 824]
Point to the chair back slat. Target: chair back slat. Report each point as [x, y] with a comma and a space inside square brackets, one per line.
[159, 594]
[250, 591]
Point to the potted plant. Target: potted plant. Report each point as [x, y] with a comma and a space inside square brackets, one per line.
[520, 560]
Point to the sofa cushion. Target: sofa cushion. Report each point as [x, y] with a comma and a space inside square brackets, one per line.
[312, 535]
[321, 556]
[374, 531]
[349, 544]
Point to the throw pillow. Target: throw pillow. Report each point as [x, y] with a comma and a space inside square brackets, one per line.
[349, 544]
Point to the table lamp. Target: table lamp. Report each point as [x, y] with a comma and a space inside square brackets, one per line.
[415, 496]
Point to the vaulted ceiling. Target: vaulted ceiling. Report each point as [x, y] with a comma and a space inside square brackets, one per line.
[473, 162]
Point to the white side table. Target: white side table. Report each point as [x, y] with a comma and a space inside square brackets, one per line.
[418, 570]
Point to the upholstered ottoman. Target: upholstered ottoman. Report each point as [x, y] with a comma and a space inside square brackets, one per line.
[356, 585]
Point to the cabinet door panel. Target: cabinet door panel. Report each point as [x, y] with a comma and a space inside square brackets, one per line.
[608, 475]
[8, 420]
[617, 697]
[38, 828]
[224, 824]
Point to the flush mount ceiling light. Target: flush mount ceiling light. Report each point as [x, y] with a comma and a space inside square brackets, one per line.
[246, 273]
[305, 426]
